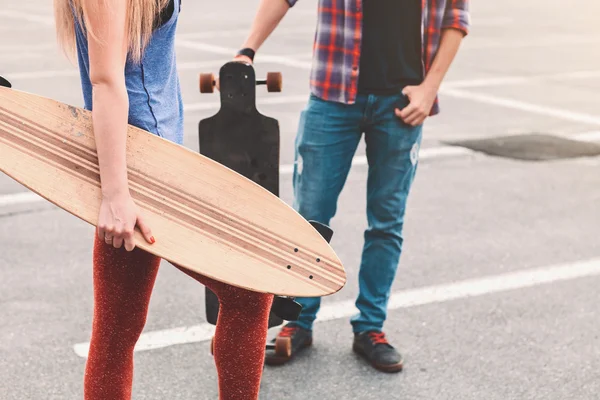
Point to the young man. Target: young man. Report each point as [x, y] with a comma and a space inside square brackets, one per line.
[377, 67]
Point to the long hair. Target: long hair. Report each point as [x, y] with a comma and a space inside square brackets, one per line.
[141, 17]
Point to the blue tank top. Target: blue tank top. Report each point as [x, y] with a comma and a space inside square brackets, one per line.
[155, 102]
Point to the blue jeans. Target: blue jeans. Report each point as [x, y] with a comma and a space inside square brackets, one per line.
[327, 138]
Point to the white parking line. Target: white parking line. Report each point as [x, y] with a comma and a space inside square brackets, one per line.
[261, 101]
[587, 136]
[424, 154]
[73, 72]
[291, 30]
[27, 47]
[402, 299]
[520, 80]
[449, 90]
[522, 106]
[230, 52]
[305, 64]
[548, 41]
[15, 199]
[41, 74]
[19, 198]
[29, 17]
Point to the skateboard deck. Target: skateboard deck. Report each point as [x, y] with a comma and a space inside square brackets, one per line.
[241, 138]
[205, 217]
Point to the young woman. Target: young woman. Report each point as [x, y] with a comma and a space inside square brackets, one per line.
[126, 56]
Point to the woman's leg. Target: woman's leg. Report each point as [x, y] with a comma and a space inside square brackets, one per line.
[240, 338]
[123, 283]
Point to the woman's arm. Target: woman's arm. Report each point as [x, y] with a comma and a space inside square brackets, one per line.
[108, 44]
[107, 56]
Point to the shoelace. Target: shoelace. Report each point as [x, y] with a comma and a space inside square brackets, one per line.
[378, 338]
[288, 331]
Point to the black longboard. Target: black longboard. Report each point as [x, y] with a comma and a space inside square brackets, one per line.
[5, 83]
[241, 138]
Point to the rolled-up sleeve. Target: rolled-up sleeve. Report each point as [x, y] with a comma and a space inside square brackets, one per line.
[456, 16]
[291, 2]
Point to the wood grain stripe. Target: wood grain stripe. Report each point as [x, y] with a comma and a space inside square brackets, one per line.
[167, 212]
[89, 155]
[176, 215]
[326, 264]
[176, 192]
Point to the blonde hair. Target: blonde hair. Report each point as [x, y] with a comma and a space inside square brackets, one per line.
[141, 17]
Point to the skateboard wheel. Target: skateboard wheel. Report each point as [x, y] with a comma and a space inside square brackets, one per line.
[212, 346]
[207, 83]
[283, 347]
[274, 81]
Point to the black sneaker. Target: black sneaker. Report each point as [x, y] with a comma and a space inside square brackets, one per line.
[374, 347]
[289, 341]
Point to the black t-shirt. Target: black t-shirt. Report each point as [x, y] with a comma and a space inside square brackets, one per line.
[390, 55]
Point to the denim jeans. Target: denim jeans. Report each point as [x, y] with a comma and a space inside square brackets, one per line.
[327, 138]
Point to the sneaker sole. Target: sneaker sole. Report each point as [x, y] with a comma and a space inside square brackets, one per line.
[394, 368]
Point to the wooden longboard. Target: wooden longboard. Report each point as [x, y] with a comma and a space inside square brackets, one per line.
[204, 216]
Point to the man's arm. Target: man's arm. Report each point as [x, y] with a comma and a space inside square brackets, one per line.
[457, 16]
[450, 42]
[455, 27]
[268, 16]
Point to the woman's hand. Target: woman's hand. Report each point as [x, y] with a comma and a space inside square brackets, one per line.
[118, 217]
[108, 52]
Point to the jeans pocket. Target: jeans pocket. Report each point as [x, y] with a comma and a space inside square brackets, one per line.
[402, 101]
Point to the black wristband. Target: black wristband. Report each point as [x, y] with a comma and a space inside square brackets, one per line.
[248, 52]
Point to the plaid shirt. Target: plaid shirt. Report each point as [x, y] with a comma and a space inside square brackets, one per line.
[336, 56]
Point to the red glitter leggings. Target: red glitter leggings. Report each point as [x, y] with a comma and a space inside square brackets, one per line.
[123, 283]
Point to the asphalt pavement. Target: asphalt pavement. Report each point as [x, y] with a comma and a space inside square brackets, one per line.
[496, 295]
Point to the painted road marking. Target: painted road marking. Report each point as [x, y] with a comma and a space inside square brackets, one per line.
[520, 79]
[27, 16]
[228, 51]
[522, 106]
[431, 153]
[19, 198]
[14, 199]
[424, 154]
[593, 136]
[403, 299]
[182, 66]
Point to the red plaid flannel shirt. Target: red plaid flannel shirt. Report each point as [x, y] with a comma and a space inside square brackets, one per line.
[336, 55]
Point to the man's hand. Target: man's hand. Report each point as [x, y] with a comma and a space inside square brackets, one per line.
[237, 59]
[245, 59]
[423, 96]
[421, 99]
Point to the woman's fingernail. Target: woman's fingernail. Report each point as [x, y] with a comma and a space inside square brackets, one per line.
[152, 240]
